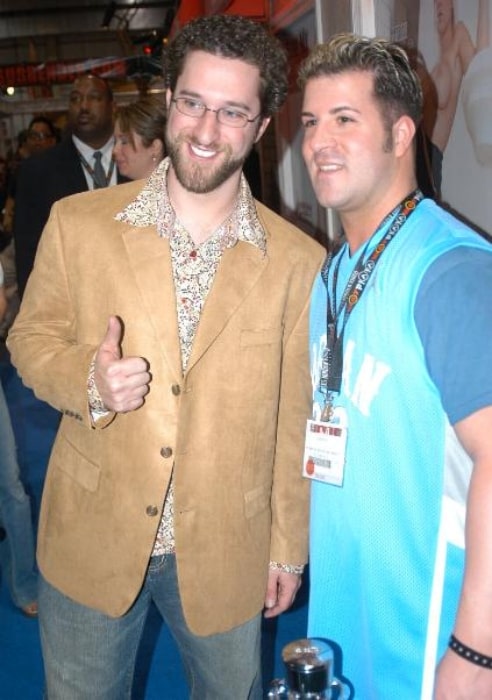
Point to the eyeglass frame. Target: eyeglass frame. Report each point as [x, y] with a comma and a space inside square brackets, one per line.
[39, 135]
[179, 100]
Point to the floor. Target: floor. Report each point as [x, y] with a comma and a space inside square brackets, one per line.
[159, 674]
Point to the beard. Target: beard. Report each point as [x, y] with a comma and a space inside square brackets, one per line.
[193, 177]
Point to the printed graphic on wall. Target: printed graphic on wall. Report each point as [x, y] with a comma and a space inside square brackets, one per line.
[456, 69]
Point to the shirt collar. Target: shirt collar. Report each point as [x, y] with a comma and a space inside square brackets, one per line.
[88, 151]
[152, 207]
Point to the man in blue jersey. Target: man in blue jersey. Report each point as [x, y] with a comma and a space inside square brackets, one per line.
[400, 445]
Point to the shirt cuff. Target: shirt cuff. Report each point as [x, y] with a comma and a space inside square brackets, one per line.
[96, 404]
[287, 568]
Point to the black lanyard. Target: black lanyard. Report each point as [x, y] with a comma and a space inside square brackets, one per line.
[90, 169]
[332, 362]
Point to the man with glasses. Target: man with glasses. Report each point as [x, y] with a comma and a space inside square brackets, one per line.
[168, 321]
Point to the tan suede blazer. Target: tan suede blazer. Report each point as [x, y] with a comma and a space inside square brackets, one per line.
[232, 426]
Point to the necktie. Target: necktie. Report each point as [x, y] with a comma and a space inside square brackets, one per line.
[99, 176]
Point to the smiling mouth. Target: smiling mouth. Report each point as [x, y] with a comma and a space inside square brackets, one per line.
[329, 167]
[203, 152]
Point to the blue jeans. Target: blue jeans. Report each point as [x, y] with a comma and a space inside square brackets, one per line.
[17, 549]
[90, 656]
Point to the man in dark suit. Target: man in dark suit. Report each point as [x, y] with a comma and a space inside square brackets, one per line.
[67, 168]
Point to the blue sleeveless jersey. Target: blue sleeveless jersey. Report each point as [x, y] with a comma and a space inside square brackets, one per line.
[387, 547]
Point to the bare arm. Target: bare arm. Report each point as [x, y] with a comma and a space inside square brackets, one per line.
[483, 31]
[466, 49]
[458, 679]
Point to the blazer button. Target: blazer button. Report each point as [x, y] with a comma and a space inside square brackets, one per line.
[166, 452]
[176, 389]
[152, 511]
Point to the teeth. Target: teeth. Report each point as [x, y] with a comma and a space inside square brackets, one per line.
[329, 168]
[202, 152]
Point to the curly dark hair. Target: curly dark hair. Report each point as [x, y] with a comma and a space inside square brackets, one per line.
[397, 87]
[232, 36]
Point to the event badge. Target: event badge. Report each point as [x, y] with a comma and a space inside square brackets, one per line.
[324, 450]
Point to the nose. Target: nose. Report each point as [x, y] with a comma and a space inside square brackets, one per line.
[84, 103]
[207, 126]
[318, 137]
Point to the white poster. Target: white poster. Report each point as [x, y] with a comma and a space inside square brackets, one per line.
[454, 42]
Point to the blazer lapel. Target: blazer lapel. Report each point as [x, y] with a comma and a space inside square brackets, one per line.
[150, 258]
[238, 271]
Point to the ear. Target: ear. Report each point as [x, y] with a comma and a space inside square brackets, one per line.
[156, 147]
[403, 134]
[262, 128]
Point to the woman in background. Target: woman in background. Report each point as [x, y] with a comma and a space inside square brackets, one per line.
[139, 136]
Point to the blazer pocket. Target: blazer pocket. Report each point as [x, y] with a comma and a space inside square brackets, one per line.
[259, 336]
[257, 500]
[77, 466]
[259, 359]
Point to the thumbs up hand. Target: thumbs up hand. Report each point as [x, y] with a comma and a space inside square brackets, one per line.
[122, 382]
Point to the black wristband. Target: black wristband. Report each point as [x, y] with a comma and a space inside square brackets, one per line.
[469, 654]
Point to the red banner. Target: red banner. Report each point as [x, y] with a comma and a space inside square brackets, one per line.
[52, 72]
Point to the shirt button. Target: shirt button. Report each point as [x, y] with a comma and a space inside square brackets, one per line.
[176, 389]
[166, 452]
[152, 511]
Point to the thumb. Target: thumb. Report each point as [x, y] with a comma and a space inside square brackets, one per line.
[112, 340]
[271, 593]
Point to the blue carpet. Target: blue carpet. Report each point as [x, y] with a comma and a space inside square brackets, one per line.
[159, 672]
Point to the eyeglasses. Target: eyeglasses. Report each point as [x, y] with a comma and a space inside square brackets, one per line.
[225, 115]
[38, 136]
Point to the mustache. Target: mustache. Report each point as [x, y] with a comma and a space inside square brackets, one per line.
[214, 146]
[192, 140]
